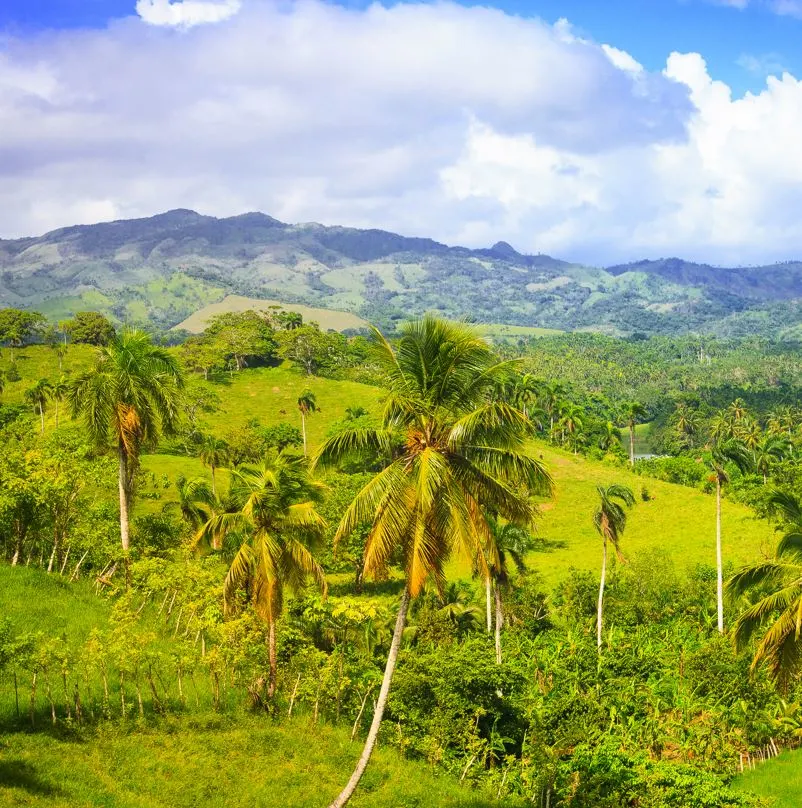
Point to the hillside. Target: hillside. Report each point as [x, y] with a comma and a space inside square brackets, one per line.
[165, 268]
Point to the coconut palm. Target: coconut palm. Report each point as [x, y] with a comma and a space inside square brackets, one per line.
[214, 453]
[58, 392]
[307, 404]
[195, 501]
[610, 519]
[737, 411]
[130, 396]
[783, 421]
[685, 422]
[461, 450]
[37, 396]
[2, 382]
[279, 528]
[777, 610]
[722, 428]
[748, 431]
[734, 453]
[610, 436]
[570, 424]
[768, 452]
[633, 413]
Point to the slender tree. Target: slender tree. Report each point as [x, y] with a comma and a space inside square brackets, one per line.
[767, 454]
[461, 449]
[307, 404]
[58, 392]
[279, 528]
[633, 413]
[734, 453]
[213, 453]
[130, 396]
[776, 613]
[37, 396]
[195, 501]
[610, 520]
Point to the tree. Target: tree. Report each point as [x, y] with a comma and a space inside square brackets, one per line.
[280, 529]
[58, 392]
[241, 336]
[685, 423]
[307, 404]
[213, 453]
[633, 413]
[89, 328]
[768, 452]
[195, 501]
[461, 450]
[131, 395]
[37, 396]
[735, 453]
[200, 354]
[309, 347]
[778, 583]
[610, 519]
[16, 325]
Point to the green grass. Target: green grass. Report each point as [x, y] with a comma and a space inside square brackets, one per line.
[500, 331]
[779, 779]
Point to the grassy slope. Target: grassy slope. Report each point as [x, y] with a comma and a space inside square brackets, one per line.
[779, 779]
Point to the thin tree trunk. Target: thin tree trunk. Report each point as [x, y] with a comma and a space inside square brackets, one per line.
[42, 417]
[56, 405]
[488, 607]
[381, 703]
[499, 622]
[303, 430]
[600, 606]
[214, 485]
[123, 486]
[271, 645]
[719, 571]
[631, 444]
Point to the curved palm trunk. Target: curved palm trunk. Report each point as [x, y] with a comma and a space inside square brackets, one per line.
[42, 417]
[381, 703]
[303, 430]
[124, 499]
[499, 622]
[214, 486]
[488, 606]
[719, 572]
[631, 444]
[600, 605]
[271, 648]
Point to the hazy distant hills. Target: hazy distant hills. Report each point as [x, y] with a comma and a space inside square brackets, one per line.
[163, 268]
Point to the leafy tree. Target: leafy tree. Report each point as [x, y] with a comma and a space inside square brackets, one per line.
[17, 325]
[610, 520]
[307, 404]
[633, 413]
[200, 354]
[89, 328]
[722, 454]
[130, 396]
[462, 451]
[778, 584]
[280, 529]
[310, 348]
[37, 396]
[213, 453]
[241, 336]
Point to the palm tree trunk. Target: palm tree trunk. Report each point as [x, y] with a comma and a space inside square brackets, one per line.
[271, 647]
[719, 572]
[123, 486]
[381, 703]
[303, 430]
[631, 444]
[600, 605]
[56, 402]
[214, 487]
[499, 621]
[42, 417]
[489, 608]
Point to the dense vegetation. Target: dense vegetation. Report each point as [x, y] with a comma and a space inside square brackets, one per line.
[178, 569]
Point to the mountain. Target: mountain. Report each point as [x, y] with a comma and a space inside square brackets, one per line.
[163, 268]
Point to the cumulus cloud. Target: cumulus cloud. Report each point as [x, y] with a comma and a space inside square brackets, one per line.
[465, 124]
[186, 13]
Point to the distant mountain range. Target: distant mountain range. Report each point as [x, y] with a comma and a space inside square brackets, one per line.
[163, 268]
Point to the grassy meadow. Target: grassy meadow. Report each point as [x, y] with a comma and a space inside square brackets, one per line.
[779, 780]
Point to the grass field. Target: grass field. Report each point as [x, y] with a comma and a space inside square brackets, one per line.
[501, 331]
[779, 779]
[326, 318]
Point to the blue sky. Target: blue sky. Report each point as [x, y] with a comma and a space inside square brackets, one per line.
[638, 128]
[726, 34]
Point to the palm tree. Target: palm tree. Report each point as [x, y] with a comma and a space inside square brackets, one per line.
[512, 543]
[685, 422]
[778, 610]
[2, 382]
[307, 403]
[280, 528]
[722, 429]
[131, 395]
[768, 452]
[195, 501]
[37, 397]
[460, 450]
[733, 452]
[737, 411]
[633, 413]
[355, 413]
[748, 431]
[213, 453]
[58, 392]
[610, 519]
[60, 349]
[570, 424]
[610, 436]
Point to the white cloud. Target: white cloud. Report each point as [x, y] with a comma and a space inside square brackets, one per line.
[186, 13]
[464, 124]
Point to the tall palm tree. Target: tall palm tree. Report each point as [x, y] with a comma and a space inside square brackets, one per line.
[633, 413]
[2, 382]
[722, 428]
[58, 392]
[37, 396]
[213, 453]
[610, 436]
[768, 452]
[195, 501]
[737, 411]
[779, 609]
[280, 529]
[685, 422]
[735, 453]
[571, 424]
[461, 450]
[307, 404]
[748, 431]
[610, 519]
[130, 396]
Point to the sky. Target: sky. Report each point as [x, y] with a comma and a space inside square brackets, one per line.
[595, 132]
